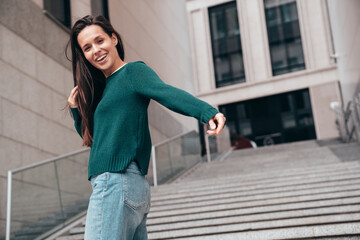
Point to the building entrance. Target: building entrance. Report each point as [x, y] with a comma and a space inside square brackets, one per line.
[271, 120]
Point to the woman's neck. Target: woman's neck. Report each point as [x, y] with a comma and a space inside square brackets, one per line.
[116, 66]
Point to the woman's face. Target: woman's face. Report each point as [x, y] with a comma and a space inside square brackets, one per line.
[99, 49]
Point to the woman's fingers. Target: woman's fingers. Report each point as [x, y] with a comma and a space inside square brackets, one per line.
[215, 129]
[72, 98]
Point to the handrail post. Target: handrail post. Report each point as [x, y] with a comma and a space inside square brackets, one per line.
[207, 146]
[154, 165]
[59, 192]
[8, 210]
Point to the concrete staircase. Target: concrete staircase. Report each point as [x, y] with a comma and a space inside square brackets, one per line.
[304, 190]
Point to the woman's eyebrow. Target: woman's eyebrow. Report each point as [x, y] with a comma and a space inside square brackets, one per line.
[96, 38]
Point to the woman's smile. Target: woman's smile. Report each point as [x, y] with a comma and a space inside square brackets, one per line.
[100, 49]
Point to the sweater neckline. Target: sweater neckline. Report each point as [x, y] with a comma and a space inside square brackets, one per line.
[115, 72]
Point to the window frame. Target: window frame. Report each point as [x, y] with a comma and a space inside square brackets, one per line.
[226, 55]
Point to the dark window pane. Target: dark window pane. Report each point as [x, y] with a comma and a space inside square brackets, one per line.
[284, 36]
[226, 44]
[60, 9]
[281, 118]
[100, 7]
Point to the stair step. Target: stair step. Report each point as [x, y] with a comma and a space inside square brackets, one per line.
[254, 218]
[72, 237]
[333, 230]
[242, 209]
[304, 185]
[255, 226]
[265, 199]
[270, 176]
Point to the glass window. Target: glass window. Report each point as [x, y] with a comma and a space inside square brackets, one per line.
[60, 9]
[284, 36]
[226, 44]
[100, 7]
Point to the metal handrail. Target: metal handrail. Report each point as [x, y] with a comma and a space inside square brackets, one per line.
[173, 138]
[347, 116]
[53, 159]
[21, 169]
[153, 153]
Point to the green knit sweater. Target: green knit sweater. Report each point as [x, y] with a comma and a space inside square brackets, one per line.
[121, 132]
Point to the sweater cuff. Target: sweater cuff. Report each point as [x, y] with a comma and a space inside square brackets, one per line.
[206, 116]
[75, 113]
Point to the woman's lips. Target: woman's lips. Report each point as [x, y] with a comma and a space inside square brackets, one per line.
[101, 59]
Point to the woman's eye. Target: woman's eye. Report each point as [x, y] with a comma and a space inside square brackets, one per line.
[86, 49]
[100, 41]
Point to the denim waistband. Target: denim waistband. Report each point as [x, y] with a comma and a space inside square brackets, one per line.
[134, 166]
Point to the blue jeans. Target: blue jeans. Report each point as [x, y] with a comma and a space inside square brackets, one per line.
[118, 206]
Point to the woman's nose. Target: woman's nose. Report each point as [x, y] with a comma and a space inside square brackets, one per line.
[96, 49]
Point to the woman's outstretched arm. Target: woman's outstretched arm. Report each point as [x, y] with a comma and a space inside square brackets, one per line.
[148, 84]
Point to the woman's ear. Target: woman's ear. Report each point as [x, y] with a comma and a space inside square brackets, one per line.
[114, 39]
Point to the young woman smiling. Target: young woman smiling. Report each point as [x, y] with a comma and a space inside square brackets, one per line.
[109, 104]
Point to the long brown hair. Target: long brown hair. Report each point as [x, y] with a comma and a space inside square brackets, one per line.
[90, 80]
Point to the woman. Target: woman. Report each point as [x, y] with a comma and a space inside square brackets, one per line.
[109, 104]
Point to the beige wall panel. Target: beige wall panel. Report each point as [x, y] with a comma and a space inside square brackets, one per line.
[258, 57]
[160, 48]
[17, 52]
[321, 97]
[40, 3]
[280, 84]
[202, 57]
[345, 23]
[79, 9]
[317, 29]
[157, 38]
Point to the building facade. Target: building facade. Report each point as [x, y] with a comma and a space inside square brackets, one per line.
[268, 65]
[36, 77]
[345, 24]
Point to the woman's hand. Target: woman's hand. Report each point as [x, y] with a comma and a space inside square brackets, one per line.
[216, 124]
[72, 98]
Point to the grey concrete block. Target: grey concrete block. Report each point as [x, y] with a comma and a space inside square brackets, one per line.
[17, 121]
[10, 82]
[28, 21]
[50, 72]
[17, 52]
[37, 97]
[10, 155]
[51, 137]
[2, 228]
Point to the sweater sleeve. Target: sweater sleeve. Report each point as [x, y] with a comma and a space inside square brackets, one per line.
[148, 84]
[77, 118]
